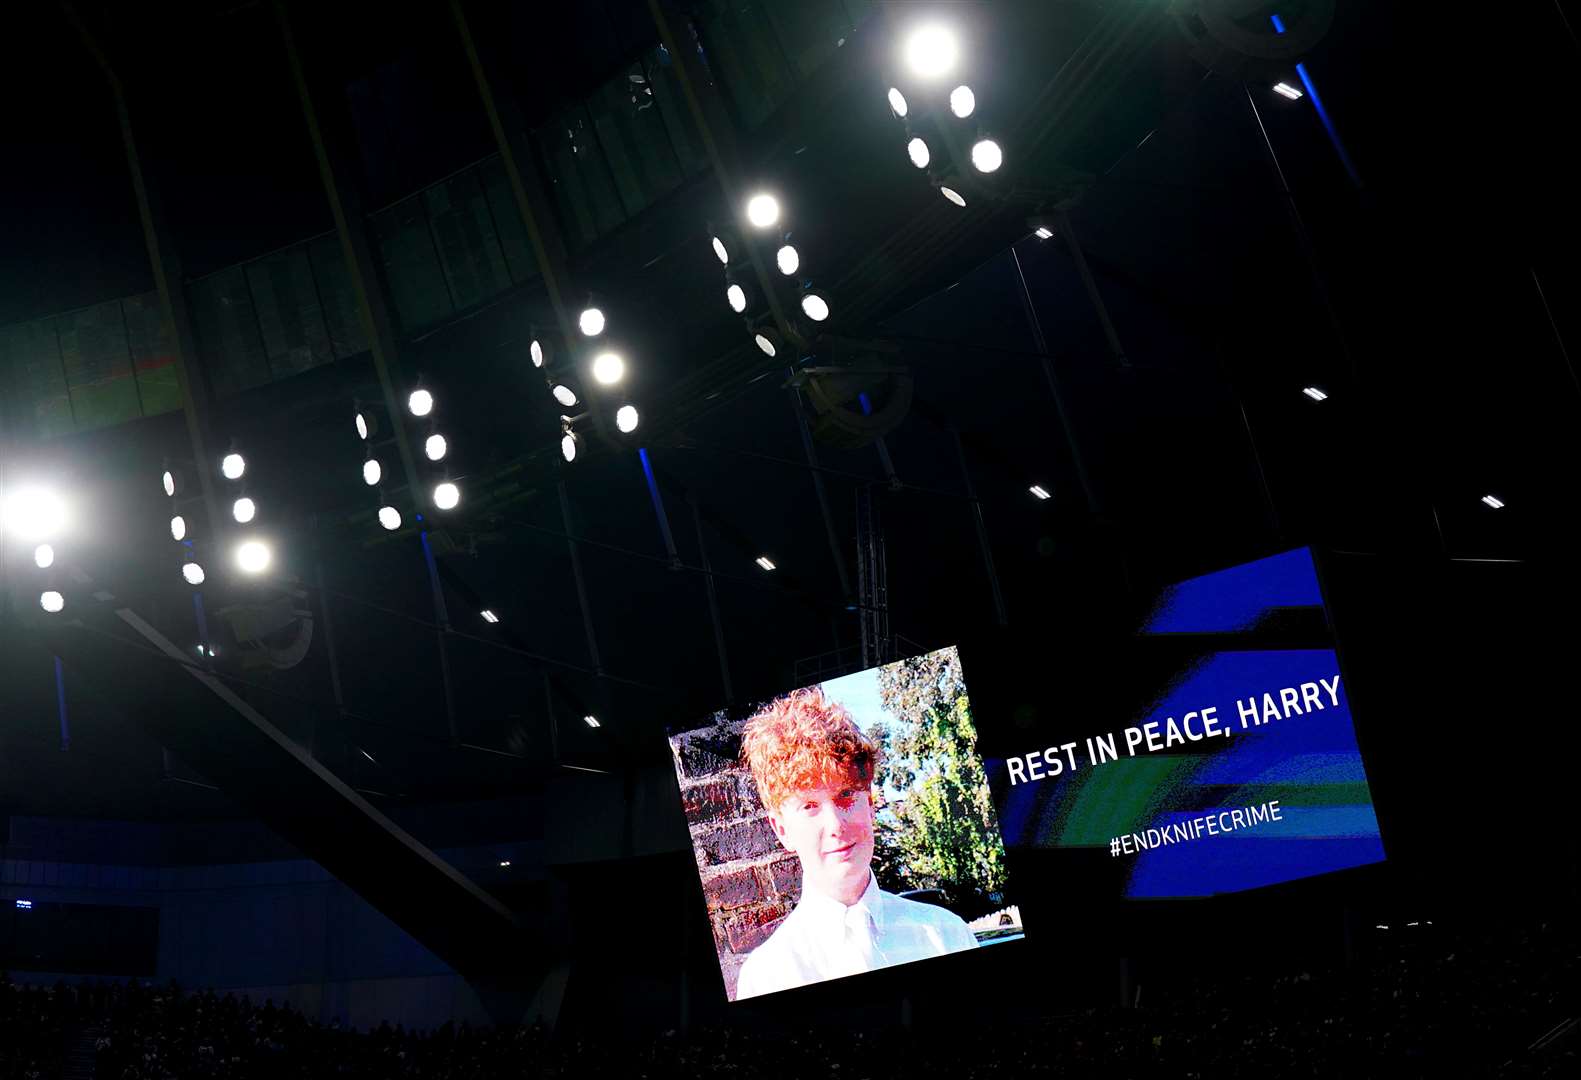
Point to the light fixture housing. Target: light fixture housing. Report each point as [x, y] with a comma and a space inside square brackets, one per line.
[171, 482]
[917, 151]
[721, 252]
[763, 210]
[954, 196]
[538, 352]
[931, 50]
[765, 562]
[43, 556]
[192, 573]
[608, 368]
[987, 156]
[1040, 491]
[232, 466]
[435, 447]
[446, 495]
[591, 721]
[897, 102]
[244, 510]
[569, 444]
[1315, 393]
[962, 101]
[1493, 501]
[788, 260]
[390, 518]
[564, 395]
[367, 425]
[372, 472]
[736, 297]
[51, 601]
[814, 306]
[590, 322]
[626, 419]
[1284, 89]
[420, 402]
[253, 556]
[178, 528]
[1043, 232]
[489, 616]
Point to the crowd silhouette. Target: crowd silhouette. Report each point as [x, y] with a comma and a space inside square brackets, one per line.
[1425, 1001]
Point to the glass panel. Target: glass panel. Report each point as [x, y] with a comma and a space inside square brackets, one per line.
[660, 68]
[289, 313]
[153, 354]
[98, 367]
[411, 265]
[579, 177]
[341, 317]
[468, 247]
[508, 224]
[746, 58]
[31, 357]
[811, 31]
[229, 340]
[631, 132]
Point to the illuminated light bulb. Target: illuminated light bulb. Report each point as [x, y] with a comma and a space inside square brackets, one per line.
[568, 443]
[917, 150]
[51, 601]
[420, 402]
[390, 518]
[765, 344]
[787, 260]
[962, 101]
[815, 307]
[736, 296]
[193, 573]
[626, 418]
[244, 510]
[763, 210]
[254, 557]
[232, 466]
[986, 156]
[178, 528]
[564, 395]
[608, 368]
[931, 51]
[953, 195]
[435, 447]
[897, 102]
[34, 514]
[43, 556]
[535, 350]
[721, 251]
[446, 495]
[372, 471]
[170, 483]
[591, 322]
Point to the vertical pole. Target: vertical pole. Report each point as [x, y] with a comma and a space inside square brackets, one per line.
[581, 584]
[982, 531]
[1035, 325]
[442, 612]
[1109, 333]
[713, 606]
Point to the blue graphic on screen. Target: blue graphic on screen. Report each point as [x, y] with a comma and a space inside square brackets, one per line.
[1290, 742]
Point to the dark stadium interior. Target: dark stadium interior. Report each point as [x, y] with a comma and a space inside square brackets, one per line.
[234, 225]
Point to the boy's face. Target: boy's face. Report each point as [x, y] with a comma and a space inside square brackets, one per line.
[831, 831]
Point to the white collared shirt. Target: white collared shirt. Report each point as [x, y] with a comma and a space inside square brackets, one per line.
[823, 939]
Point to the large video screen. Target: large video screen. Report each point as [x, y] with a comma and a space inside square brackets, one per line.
[845, 827]
[1229, 760]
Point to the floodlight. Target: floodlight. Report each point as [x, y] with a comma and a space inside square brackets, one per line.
[538, 352]
[244, 510]
[608, 368]
[962, 101]
[917, 150]
[43, 556]
[490, 617]
[446, 495]
[763, 210]
[193, 573]
[34, 514]
[1286, 90]
[390, 518]
[232, 466]
[1040, 491]
[931, 51]
[564, 395]
[420, 402]
[787, 260]
[170, 483]
[253, 557]
[1494, 501]
[953, 195]
[721, 251]
[367, 425]
[897, 102]
[435, 447]
[1314, 393]
[736, 297]
[591, 721]
[767, 341]
[591, 322]
[815, 307]
[178, 528]
[986, 156]
[568, 445]
[1042, 232]
[626, 418]
[372, 472]
[765, 562]
[51, 601]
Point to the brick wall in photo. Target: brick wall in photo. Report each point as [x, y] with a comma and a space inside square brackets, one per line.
[749, 880]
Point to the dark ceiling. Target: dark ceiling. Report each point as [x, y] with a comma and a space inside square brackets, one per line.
[1447, 373]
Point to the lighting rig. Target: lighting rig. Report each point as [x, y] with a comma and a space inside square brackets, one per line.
[929, 57]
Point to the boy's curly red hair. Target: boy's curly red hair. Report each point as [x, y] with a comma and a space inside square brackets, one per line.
[804, 741]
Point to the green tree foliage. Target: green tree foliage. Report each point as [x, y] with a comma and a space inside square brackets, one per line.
[942, 833]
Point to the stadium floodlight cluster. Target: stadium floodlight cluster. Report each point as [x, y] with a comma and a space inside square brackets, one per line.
[605, 364]
[765, 217]
[367, 422]
[930, 54]
[445, 494]
[253, 555]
